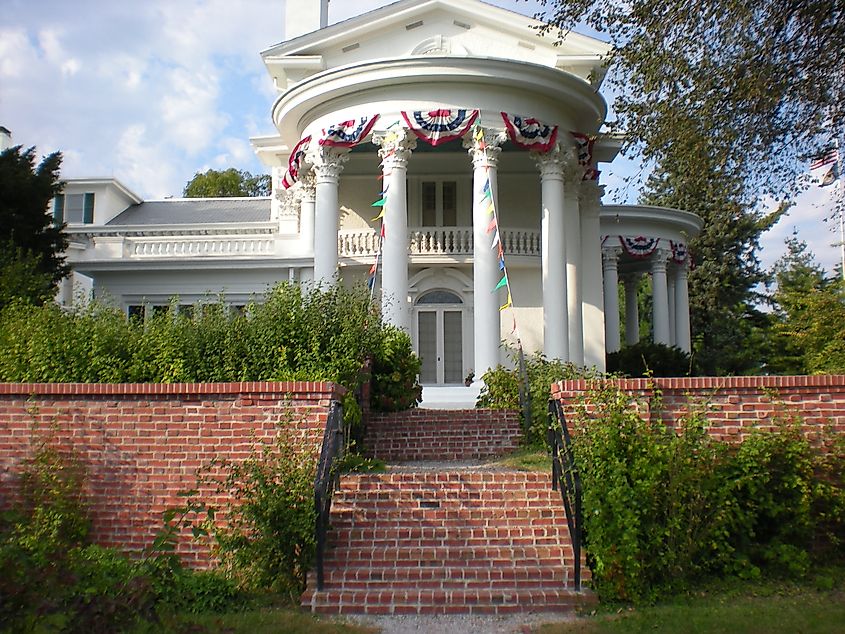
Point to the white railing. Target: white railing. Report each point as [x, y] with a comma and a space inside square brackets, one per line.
[356, 243]
[211, 247]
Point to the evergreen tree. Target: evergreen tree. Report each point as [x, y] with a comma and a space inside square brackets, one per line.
[33, 247]
[808, 335]
[727, 328]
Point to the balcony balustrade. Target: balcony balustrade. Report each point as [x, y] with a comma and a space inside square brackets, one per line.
[449, 241]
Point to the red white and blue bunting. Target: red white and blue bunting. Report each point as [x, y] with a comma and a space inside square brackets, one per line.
[680, 251]
[639, 246]
[584, 144]
[439, 126]
[297, 158]
[529, 133]
[348, 133]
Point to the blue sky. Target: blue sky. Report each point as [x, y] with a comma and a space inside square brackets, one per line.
[153, 91]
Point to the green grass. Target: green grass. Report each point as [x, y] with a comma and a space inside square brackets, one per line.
[790, 611]
[258, 621]
[526, 459]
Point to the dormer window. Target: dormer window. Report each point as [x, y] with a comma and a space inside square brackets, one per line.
[74, 208]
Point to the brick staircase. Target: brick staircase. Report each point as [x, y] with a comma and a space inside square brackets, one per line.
[446, 539]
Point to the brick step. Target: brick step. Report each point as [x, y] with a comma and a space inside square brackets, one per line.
[426, 434]
[478, 518]
[453, 601]
[438, 576]
[375, 531]
[344, 541]
[441, 542]
[483, 556]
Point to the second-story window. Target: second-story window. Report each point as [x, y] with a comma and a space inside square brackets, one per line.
[74, 208]
[439, 203]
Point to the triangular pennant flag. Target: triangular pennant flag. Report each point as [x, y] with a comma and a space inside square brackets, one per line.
[501, 263]
[487, 191]
[490, 209]
[502, 282]
[373, 269]
[381, 215]
[379, 203]
[496, 240]
[382, 230]
[507, 304]
[493, 224]
[501, 255]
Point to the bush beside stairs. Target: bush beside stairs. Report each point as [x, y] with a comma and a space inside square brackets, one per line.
[446, 537]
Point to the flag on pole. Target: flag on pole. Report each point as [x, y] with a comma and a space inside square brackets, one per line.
[831, 176]
[831, 155]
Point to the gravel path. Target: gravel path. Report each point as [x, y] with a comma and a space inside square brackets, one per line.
[458, 624]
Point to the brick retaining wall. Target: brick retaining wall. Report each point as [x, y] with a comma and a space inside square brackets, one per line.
[733, 405]
[142, 443]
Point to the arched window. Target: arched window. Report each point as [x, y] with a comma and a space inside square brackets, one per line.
[440, 297]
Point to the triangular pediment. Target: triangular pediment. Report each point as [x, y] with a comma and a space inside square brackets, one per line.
[454, 28]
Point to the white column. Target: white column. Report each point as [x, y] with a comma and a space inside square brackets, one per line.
[395, 151]
[592, 293]
[328, 164]
[307, 198]
[660, 296]
[670, 288]
[572, 230]
[610, 269]
[632, 309]
[555, 317]
[485, 269]
[682, 322]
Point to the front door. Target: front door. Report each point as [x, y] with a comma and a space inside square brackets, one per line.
[440, 338]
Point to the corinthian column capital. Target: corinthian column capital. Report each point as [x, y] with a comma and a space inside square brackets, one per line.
[328, 163]
[551, 164]
[485, 149]
[395, 147]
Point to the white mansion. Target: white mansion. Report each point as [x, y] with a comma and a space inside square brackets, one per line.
[444, 152]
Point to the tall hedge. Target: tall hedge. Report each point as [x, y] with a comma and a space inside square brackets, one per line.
[297, 333]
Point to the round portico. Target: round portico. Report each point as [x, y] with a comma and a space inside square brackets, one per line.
[640, 240]
[437, 198]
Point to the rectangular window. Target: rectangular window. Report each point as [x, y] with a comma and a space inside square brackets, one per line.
[439, 203]
[74, 208]
[429, 204]
[450, 204]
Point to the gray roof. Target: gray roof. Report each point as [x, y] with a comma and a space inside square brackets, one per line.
[189, 211]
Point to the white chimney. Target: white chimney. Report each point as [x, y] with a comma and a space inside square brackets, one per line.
[305, 16]
[5, 139]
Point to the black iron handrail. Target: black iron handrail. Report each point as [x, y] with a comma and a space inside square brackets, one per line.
[524, 388]
[327, 480]
[565, 477]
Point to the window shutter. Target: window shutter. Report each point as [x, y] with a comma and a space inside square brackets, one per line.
[88, 209]
[59, 210]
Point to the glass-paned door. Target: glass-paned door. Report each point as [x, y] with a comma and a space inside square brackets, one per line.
[440, 338]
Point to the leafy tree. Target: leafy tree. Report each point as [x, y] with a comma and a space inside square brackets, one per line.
[20, 277]
[762, 76]
[808, 335]
[32, 260]
[726, 326]
[227, 184]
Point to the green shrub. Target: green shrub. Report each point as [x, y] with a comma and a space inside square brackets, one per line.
[395, 369]
[267, 537]
[650, 359]
[665, 509]
[501, 390]
[309, 334]
[54, 580]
